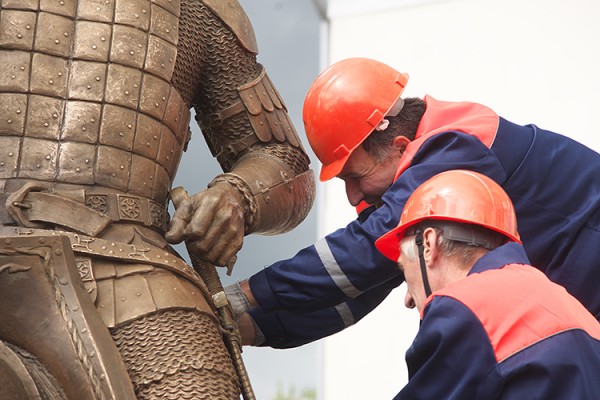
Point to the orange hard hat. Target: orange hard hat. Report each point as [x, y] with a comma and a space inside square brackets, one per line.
[456, 195]
[344, 105]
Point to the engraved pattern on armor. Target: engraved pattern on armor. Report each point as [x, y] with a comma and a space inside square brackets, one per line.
[85, 245]
[84, 266]
[129, 208]
[86, 273]
[157, 214]
[97, 202]
[82, 244]
[197, 361]
[138, 252]
[14, 268]
[93, 60]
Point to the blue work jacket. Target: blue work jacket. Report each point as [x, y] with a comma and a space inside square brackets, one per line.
[553, 181]
[504, 332]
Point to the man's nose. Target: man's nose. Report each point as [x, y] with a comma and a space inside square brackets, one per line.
[353, 192]
[409, 302]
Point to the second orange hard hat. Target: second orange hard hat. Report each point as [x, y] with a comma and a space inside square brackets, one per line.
[456, 195]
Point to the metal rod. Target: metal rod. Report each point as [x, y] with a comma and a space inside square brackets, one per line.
[232, 338]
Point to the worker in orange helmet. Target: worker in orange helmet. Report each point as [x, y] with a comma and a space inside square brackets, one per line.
[506, 329]
[383, 146]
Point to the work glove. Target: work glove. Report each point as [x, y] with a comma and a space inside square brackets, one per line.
[237, 299]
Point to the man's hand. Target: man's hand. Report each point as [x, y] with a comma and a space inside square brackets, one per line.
[212, 224]
[248, 331]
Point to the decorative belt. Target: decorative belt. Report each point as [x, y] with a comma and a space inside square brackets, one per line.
[34, 204]
[129, 208]
[90, 246]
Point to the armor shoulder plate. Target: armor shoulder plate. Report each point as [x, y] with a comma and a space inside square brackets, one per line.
[234, 16]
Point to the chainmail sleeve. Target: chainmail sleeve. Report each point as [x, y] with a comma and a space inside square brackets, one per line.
[243, 119]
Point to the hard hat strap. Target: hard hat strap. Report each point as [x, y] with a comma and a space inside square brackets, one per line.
[421, 248]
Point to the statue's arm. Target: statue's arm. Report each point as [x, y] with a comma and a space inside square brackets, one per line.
[267, 186]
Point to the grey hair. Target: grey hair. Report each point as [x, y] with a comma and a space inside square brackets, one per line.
[454, 247]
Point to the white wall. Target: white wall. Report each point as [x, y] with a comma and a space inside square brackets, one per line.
[533, 61]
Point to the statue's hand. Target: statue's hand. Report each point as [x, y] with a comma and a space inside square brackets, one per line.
[212, 224]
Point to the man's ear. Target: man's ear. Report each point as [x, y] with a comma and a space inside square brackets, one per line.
[430, 246]
[400, 142]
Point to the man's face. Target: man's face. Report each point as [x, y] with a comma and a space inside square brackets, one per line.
[367, 179]
[409, 265]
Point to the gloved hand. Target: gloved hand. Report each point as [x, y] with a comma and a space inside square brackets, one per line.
[212, 224]
[237, 299]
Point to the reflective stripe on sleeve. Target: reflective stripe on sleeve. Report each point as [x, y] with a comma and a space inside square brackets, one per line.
[345, 314]
[334, 270]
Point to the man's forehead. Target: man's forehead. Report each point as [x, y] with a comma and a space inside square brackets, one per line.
[357, 162]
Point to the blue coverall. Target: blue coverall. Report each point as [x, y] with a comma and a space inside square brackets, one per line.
[553, 181]
[504, 332]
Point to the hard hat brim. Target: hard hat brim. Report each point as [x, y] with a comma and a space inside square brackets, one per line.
[332, 170]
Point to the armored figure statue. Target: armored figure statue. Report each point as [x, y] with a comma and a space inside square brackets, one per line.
[95, 105]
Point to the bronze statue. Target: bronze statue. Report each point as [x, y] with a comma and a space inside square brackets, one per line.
[95, 100]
